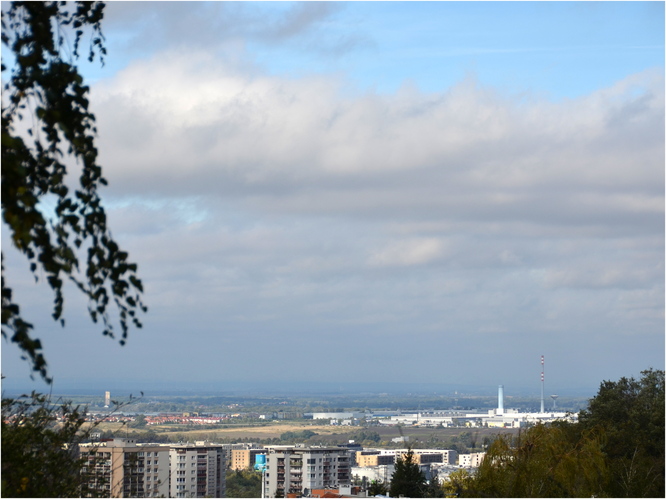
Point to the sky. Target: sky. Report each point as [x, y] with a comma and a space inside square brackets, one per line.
[432, 192]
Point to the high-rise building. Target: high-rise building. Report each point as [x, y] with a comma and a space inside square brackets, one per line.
[107, 399]
[122, 468]
[229, 448]
[242, 459]
[298, 470]
[197, 470]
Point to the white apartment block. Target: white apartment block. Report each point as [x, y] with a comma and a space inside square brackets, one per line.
[122, 468]
[471, 460]
[197, 470]
[293, 469]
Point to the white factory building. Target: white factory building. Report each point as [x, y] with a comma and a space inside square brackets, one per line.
[494, 418]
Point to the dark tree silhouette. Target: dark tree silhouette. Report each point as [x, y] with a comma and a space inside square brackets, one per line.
[407, 479]
[42, 40]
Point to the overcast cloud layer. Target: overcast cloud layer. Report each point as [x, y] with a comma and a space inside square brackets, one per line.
[285, 219]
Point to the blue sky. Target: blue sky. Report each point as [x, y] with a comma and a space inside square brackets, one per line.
[465, 186]
[565, 49]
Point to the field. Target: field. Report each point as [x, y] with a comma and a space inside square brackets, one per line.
[325, 433]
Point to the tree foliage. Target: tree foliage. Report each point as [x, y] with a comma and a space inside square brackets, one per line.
[434, 487]
[47, 127]
[407, 479]
[457, 483]
[243, 483]
[40, 448]
[615, 450]
[631, 413]
[377, 488]
[544, 461]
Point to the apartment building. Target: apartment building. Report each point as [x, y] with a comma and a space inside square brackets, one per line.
[471, 460]
[367, 458]
[242, 459]
[381, 457]
[229, 448]
[449, 456]
[197, 470]
[425, 456]
[299, 470]
[120, 467]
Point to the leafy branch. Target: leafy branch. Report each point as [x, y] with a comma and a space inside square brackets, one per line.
[45, 83]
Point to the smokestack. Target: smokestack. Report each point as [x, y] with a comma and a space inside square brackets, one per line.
[500, 400]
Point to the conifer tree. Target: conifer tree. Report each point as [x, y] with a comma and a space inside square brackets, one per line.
[407, 479]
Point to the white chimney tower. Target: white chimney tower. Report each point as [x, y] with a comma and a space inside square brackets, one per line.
[500, 400]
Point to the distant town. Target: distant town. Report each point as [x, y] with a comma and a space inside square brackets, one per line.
[361, 447]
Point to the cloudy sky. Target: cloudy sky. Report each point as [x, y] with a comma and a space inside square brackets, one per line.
[413, 192]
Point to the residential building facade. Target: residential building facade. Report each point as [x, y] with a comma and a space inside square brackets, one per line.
[120, 467]
[197, 470]
[299, 470]
[472, 460]
[373, 458]
[242, 459]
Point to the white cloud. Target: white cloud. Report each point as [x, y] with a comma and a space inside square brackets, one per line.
[464, 179]
[406, 253]
[183, 125]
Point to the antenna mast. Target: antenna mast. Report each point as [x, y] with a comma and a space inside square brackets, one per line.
[542, 403]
